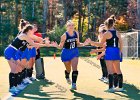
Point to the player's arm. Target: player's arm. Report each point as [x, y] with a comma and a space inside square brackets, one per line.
[79, 44]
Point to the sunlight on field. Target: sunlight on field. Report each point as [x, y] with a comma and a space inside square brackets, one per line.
[88, 77]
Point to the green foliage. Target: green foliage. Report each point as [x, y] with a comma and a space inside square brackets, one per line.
[117, 6]
[56, 34]
[11, 11]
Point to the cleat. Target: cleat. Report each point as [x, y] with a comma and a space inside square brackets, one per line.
[20, 87]
[68, 81]
[119, 90]
[28, 80]
[102, 79]
[111, 90]
[106, 80]
[73, 86]
[14, 90]
[32, 78]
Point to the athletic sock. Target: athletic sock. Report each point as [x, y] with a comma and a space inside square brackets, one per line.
[110, 77]
[19, 78]
[30, 72]
[120, 79]
[16, 80]
[74, 76]
[66, 74]
[26, 73]
[115, 75]
[23, 74]
[11, 79]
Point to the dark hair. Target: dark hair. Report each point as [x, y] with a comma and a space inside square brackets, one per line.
[103, 31]
[27, 28]
[109, 22]
[22, 24]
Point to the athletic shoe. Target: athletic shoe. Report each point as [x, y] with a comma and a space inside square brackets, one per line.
[20, 87]
[73, 86]
[25, 81]
[28, 80]
[14, 90]
[32, 78]
[102, 79]
[119, 90]
[106, 80]
[111, 90]
[23, 85]
[68, 81]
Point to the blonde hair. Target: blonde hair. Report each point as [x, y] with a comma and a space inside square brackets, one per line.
[113, 17]
[68, 22]
[109, 23]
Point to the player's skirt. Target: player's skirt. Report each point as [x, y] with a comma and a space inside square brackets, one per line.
[112, 53]
[69, 54]
[32, 52]
[25, 54]
[11, 53]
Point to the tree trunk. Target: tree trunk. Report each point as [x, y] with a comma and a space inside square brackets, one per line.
[0, 27]
[64, 4]
[138, 13]
[16, 13]
[79, 21]
[33, 9]
[88, 14]
[23, 9]
[45, 9]
[104, 10]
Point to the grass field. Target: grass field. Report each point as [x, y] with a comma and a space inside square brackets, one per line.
[89, 87]
[84, 51]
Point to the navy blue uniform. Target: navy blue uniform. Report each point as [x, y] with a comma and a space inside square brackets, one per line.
[14, 49]
[70, 49]
[112, 50]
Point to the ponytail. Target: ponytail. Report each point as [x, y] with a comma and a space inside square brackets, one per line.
[27, 28]
[22, 24]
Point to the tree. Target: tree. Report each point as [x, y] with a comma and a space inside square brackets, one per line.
[45, 9]
[138, 13]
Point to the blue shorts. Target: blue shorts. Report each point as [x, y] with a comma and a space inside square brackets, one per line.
[25, 54]
[32, 52]
[10, 52]
[69, 54]
[112, 53]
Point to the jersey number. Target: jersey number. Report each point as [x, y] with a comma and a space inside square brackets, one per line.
[72, 45]
[114, 42]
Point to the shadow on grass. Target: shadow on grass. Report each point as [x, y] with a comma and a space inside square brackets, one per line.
[82, 96]
[34, 91]
[132, 92]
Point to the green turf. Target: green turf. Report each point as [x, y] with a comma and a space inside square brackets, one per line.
[84, 52]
